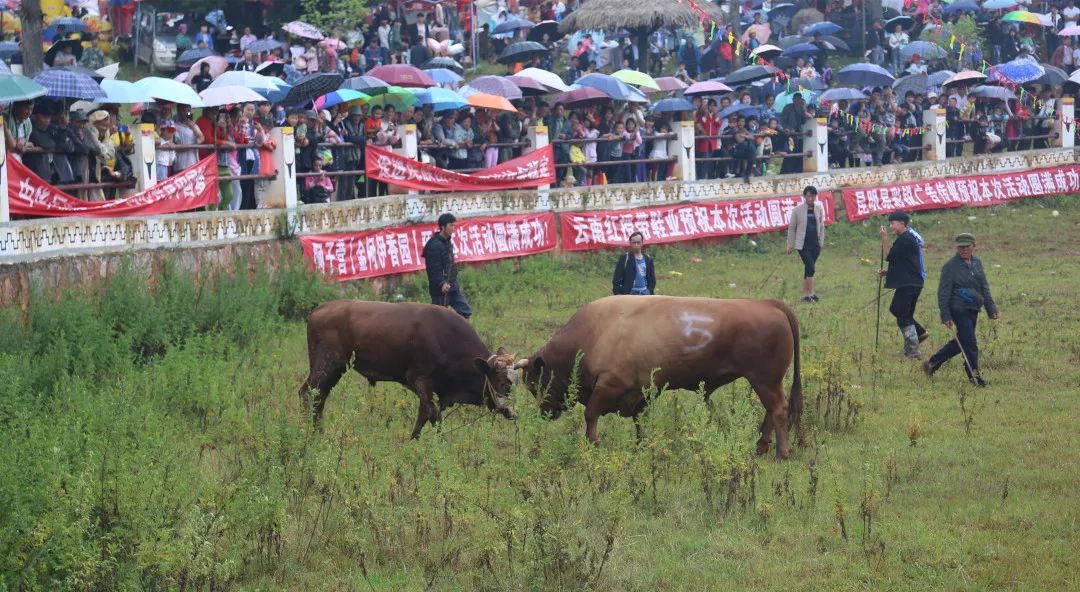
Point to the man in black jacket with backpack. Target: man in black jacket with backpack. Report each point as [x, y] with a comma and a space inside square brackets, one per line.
[634, 273]
[442, 271]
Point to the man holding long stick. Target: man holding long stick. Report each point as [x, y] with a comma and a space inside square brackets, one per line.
[962, 292]
[905, 275]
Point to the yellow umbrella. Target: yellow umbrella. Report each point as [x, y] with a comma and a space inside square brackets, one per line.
[637, 78]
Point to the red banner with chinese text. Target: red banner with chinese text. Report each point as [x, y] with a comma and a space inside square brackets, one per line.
[367, 254]
[984, 190]
[668, 224]
[529, 170]
[30, 195]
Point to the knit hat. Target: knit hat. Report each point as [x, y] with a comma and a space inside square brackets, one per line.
[965, 239]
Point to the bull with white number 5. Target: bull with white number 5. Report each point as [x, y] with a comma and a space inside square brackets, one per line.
[687, 341]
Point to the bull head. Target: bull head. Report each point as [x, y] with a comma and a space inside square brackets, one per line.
[499, 373]
[532, 375]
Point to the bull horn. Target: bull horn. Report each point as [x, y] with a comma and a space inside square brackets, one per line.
[522, 363]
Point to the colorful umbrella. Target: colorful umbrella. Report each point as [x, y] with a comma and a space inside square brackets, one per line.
[441, 99]
[166, 89]
[672, 106]
[394, 96]
[65, 84]
[528, 86]
[864, 75]
[1015, 72]
[229, 95]
[123, 92]
[302, 29]
[339, 96]
[522, 51]
[1023, 16]
[707, 87]
[548, 79]
[444, 75]
[582, 97]
[636, 78]
[494, 102]
[14, 87]
[496, 85]
[402, 75]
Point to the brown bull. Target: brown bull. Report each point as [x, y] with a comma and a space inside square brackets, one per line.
[687, 341]
[429, 349]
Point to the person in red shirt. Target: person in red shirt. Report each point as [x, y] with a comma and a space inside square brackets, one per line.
[707, 123]
[205, 123]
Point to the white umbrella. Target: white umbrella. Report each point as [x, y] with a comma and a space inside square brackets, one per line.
[110, 71]
[228, 95]
[546, 78]
[123, 92]
[169, 90]
[251, 80]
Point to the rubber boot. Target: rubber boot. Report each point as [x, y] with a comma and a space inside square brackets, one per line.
[911, 343]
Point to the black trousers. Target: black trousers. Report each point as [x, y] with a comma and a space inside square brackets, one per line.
[809, 255]
[964, 321]
[453, 299]
[903, 307]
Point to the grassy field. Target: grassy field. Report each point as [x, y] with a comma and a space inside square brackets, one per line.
[154, 441]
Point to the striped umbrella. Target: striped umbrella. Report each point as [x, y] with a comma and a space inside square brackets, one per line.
[65, 84]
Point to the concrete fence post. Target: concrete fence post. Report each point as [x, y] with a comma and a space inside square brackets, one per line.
[5, 207]
[282, 190]
[935, 130]
[538, 138]
[683, 148]
[1064, 124]
[817, 144]
[145, 158]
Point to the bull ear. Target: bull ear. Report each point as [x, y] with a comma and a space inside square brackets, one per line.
[537, 364]
[482, 365]
[501, 351]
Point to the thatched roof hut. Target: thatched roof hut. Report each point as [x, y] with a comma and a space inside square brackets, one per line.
[640, 17]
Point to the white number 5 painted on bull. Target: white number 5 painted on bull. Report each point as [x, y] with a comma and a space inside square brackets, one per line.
[691, 328]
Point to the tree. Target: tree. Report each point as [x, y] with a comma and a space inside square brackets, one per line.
[32, 23]
[333, 14]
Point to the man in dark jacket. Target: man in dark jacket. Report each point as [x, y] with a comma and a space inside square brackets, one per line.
[442, 271]
[905, 275]
[634, 273]
[962, 292]
[38, 155]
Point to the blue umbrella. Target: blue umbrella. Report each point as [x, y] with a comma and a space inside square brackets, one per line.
[442, 99]
[8, 49]
[512, 23]
[444, 75]
[999, 4]
[842, 94]
[783, 11]
[65, 84]
[1015, 72]
[938, 78]
[864, 75]
[961, 6]
[191, 56]
[994, 92]
[741, 108]
[123, 92]
[262, 45]
[672, 106]
[825, 28]
[612, 87]
[925, 49]
[784, 99]
[70, 24]
[801, 49]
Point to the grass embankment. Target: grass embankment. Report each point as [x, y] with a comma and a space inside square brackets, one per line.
[154, 441]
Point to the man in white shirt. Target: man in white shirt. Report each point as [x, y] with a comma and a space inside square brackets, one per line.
[1070, 12]
[384, 35]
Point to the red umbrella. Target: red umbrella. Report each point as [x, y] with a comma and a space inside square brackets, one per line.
[402, 75]
[582, 97]
[528, 86]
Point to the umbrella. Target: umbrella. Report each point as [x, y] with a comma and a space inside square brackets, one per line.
[279, 94]
[767, 52]
[311, 86]
[938, 78]
[1072, 31]
[994, 92]
[366, 84]
[334, 44]
[549, 28]
[925, 49]
[1015, 72]
[788, 41]
[905, 22]
[1023, 16]
[747, 110]
[842, 94]
[396, 97]
[271, 68]
[783, 10]
[66, 84]
[486, 101]
[836, 42]
[667, 84]
[582, 97]
[511, 24]
[229, 95]
[260, 45]
[521, 51]
[4, 68]
[123, 92]
[166, 89]
[444, 75]
[548, 79]
[612, 87]
[496, 85]
[808, 83]
[528, 86]
[291, 73]
[707, 87]
[302, 29]
[74, 46]
[1054, 76]
[443, 62]
[637, 78]
[825, 28]
[191, 56]
[672, 106]
[864, 75]
[401, 75]
[749, 74]
[339, 96]
[965, 76]
[916, 83]
[252, 80]
[19, 88]
[801, 49]
[441, 99]
[960, 6]
[785, 98]
[70, 24]
[218, 65]
[8, 49]
[999, 4]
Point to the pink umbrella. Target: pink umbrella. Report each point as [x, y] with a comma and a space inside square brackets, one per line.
[666, 84]
[707, 87]
[218, 66]
[496, 85]
[182, 77]
[528, 86]
[335, 44]
[402, 75]
[582, 97]
[302, 29]
[1073, 31]
[965, 76]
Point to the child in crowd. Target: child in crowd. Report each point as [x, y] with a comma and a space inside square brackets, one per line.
[658, 171]
[166, 155]
[266, 162]
[318, 187]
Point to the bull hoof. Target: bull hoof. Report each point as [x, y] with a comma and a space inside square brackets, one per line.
[762, 448]
[782, 454]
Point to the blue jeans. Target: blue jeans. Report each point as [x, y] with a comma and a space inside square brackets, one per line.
[964, 321]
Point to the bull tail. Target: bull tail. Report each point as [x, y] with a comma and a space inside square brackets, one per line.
[795, 398]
